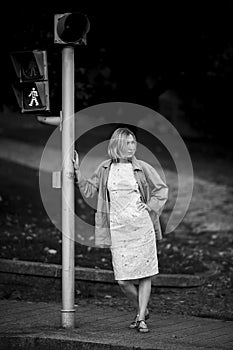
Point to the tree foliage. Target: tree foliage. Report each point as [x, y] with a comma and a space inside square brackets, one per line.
[135, 54]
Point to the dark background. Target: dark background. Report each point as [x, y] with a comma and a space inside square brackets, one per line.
[134, 53]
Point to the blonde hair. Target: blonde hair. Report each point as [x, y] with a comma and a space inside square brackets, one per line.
[117, 146]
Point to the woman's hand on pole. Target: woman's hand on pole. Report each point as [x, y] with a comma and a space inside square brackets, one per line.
[76, 161]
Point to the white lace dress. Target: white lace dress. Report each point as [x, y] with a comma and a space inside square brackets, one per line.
[134, 252]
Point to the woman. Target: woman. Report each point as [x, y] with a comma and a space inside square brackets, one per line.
[131, 196]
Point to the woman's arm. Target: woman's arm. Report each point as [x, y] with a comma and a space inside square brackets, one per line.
[158, 190]
[90, 186]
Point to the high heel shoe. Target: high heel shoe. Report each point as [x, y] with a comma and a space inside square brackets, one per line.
[142, 327]
[134, 323]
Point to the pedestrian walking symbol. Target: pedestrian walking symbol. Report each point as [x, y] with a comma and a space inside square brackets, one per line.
[30, 70]
[33, 97]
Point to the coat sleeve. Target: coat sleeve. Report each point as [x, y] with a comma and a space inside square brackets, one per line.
[88, 187]
[158, 190]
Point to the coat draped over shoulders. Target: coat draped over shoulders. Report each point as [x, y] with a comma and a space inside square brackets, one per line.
[154, 193]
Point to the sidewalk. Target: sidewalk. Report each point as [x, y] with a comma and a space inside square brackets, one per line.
[30, 325]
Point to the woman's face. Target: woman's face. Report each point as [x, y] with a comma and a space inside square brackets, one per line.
[130, 146]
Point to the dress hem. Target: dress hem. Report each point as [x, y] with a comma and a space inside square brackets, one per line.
[136, 278]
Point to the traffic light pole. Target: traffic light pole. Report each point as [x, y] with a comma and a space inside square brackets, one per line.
[68, 239]
[70, 29]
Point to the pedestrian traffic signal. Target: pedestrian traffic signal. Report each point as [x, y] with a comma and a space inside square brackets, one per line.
[32, 97]
[71, 28]
[30, 65]
[32, 88]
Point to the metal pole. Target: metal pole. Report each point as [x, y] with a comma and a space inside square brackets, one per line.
[68, 268]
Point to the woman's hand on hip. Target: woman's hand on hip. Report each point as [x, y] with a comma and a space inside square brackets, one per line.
[143, 206]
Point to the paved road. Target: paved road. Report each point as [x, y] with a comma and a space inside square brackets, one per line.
[30, 325]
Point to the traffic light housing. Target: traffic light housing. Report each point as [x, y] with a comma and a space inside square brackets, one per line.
[32, 87]
[71, 28]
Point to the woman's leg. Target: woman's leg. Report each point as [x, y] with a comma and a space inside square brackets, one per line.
[130, 291]
[144, 296]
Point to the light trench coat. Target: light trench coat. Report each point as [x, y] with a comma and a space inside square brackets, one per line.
[154, 192]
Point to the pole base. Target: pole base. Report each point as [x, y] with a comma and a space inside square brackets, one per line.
[68, 318]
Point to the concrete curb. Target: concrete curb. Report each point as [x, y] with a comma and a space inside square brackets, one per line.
[37, 342]
[38, 269]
